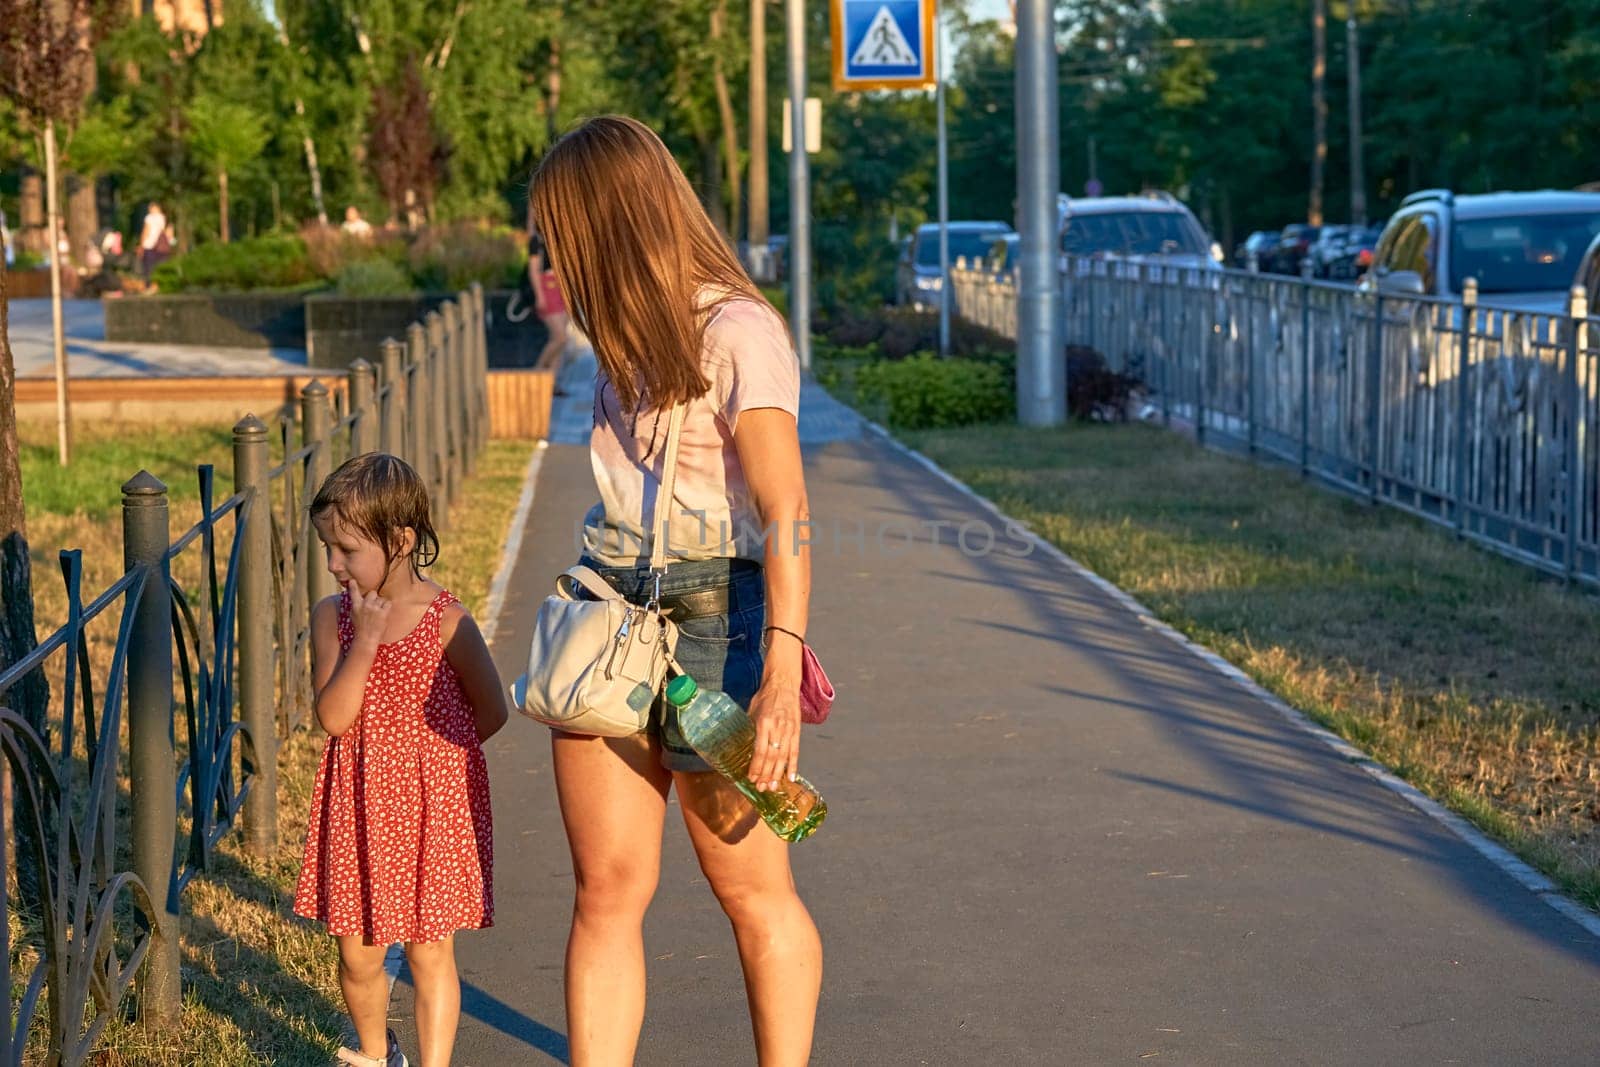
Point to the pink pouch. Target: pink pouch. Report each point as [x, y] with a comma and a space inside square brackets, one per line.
[816, 692]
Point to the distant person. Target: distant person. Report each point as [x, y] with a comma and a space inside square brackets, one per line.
[548, 302]
[5, 241]
[155, 244]
[355, 225]
[399, 845]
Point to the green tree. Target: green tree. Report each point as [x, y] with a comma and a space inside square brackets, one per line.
[225, 136]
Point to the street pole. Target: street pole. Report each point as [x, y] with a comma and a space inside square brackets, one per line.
[799, 189]
[1041, 368]
[944, 191]
[1358, 175]
[757, 235]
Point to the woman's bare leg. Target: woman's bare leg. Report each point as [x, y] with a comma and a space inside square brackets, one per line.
[748, 867]
[613, 802]
[551, 355]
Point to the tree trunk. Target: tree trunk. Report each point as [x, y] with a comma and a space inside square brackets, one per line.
[83, 216]
[312, 168]
[222, 205]
[31, 695]
[311, 165]
[757, 230]
[31, 235]
[1319, 107]
[552, 93]
[730, 125]
[711, 172]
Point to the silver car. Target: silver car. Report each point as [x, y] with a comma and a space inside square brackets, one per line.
[1524, 249]
[1148, 228]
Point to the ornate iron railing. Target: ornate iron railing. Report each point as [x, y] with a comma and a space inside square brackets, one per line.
[95, 909]
[1478, 418]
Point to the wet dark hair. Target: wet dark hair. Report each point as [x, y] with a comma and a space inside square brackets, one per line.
[380, 496]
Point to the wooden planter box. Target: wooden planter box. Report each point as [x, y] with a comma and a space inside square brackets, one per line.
[519, 400]
[35, 283]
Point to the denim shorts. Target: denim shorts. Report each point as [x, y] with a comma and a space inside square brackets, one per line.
[717, 651]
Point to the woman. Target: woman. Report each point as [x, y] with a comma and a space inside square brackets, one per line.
[674, 319]
[547, 302]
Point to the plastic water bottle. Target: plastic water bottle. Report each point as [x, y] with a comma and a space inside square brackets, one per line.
[723, 734]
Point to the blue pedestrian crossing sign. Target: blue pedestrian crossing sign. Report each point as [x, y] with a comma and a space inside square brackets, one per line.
[883, 44]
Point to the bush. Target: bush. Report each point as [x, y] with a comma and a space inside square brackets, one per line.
[928, 393]
[1094, 390]
[331, 250]
[854, 266]
[900, 332]
[778, 297]
[454, 256]
[372, 277]
[256, 263]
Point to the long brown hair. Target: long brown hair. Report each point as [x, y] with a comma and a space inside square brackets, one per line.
[633, 249]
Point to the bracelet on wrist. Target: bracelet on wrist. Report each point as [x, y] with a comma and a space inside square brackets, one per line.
[791, 633]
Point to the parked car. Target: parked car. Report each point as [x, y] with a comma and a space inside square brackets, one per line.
[1151, 227]
[1355, 255]
[1291, 249]
[1002, 257]
[1328, 246]
[919, 278]
[1253, 248]
[1524, 249]
[1588, 275]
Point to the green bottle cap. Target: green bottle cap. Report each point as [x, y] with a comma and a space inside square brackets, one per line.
[681, 690]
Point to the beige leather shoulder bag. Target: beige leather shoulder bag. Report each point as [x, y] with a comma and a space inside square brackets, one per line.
[596, 665]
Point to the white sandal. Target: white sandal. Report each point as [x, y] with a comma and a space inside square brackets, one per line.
[392, 1058]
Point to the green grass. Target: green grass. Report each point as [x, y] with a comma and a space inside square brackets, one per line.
[107, 454]
[1473, 677]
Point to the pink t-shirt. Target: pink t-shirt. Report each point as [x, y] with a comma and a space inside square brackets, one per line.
[750, 362]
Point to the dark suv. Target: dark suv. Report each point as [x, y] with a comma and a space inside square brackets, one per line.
[919, 279]
[1523, 248]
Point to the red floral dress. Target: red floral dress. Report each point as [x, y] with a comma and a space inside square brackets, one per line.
[400, 845]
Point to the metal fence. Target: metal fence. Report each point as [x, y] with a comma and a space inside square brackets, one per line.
[202, 739]
[1476, 418]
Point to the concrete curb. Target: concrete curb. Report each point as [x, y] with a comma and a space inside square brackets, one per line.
[1530, 879]
[513, 546]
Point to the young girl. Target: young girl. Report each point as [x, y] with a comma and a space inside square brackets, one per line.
[399, 847]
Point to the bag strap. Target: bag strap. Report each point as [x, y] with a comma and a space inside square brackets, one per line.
[589, 580]
[669, 480]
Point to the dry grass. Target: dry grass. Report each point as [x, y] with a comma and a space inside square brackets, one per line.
[260, 985]
[1473, 677]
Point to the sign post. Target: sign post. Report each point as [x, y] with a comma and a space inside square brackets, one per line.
[894, 44]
